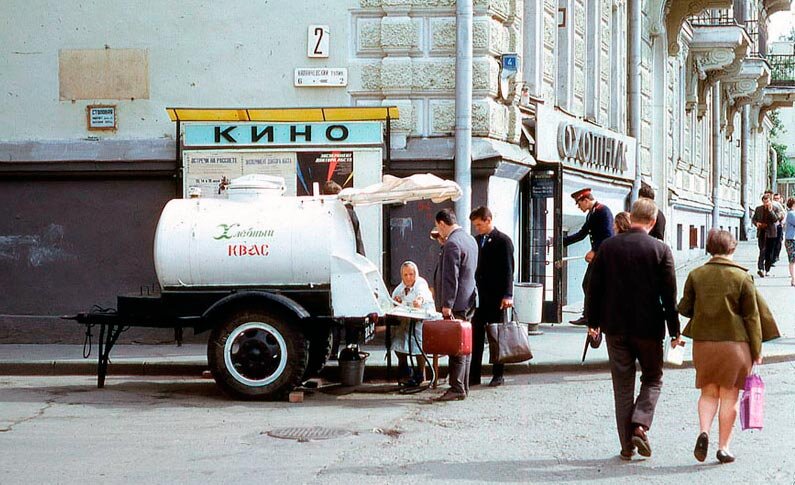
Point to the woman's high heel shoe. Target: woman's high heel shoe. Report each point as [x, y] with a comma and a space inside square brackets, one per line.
[702, 446]
[724, 456]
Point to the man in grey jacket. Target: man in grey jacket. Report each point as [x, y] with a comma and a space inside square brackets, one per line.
[455, 294]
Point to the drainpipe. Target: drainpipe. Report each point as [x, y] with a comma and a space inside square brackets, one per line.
[634, 23]
[745, 170]
[716, 155]
[463, 109]
[774, 175]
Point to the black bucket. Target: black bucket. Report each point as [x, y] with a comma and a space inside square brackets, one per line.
[351, 364]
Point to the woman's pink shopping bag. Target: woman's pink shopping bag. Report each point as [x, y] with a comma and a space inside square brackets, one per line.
[752, 403]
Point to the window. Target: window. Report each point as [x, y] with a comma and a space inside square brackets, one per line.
[693, 237]
[593, 57]
[703, 237]
[679, 237]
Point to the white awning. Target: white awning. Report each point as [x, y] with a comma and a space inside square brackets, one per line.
[395, 190]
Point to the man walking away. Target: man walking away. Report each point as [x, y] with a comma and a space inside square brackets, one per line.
[494, 279]
[455, 293]
[659, 227]
[631, 298]
[765, 220]
[599, 226]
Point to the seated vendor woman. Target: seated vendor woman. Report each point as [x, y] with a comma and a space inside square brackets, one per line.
[413, 292]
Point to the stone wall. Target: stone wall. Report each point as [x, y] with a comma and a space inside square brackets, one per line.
[405, 50]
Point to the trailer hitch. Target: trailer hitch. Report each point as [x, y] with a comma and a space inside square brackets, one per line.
[110, 328]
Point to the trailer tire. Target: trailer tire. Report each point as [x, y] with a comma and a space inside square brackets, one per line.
[257, 355]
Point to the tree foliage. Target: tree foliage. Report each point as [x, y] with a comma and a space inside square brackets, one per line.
[786, 168]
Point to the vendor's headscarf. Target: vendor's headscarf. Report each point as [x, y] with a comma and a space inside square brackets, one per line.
[412, 264]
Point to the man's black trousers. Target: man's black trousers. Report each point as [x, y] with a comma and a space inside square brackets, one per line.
[483, 316]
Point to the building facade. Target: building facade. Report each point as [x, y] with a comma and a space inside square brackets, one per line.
[607, 94]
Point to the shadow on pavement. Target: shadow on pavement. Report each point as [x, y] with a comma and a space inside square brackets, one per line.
[520, 471]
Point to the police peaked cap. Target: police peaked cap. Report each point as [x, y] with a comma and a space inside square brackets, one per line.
[580, 194]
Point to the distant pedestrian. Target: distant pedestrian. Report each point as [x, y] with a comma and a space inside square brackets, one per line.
[455, 292]
[658, 230]
[621, 223]
[789, 241]
[781, 213]
[765, 220]
[598, 226]
[494, 278]
[632, 297]
[728, 322]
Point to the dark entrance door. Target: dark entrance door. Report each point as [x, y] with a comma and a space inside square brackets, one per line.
[541, 244]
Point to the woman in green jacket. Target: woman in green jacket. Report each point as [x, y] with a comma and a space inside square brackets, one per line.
[728, 322]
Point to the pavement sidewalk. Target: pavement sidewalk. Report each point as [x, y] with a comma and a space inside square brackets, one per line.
[558, 348]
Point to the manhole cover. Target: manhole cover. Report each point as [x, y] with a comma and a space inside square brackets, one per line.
[308, 433]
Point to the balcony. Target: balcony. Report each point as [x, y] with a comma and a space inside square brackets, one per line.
[714, 18]
[782, 69]
[666, 17]
[719, 45]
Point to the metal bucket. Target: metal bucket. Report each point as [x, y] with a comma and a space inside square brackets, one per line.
[352, 371]
[528, 299]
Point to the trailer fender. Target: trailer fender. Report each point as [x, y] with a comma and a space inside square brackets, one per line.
[243, 299]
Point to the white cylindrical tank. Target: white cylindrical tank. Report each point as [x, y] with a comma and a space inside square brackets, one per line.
[257, 237]
[527, 301]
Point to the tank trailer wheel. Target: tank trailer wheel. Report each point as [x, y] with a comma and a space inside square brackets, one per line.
[257, 355]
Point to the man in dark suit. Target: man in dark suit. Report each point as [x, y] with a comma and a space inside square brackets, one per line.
[455, 294]
[658, 230]
[494, 278]
[631, 298]
[599, 226]
[765, 220]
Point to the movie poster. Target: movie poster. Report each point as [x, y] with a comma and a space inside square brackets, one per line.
[207, 170]
[321, 167]
[280, 164]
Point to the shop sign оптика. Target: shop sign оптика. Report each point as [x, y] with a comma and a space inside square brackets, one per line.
[584, 146]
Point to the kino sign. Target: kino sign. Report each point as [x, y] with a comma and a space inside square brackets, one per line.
[202, 134]
[576, 142]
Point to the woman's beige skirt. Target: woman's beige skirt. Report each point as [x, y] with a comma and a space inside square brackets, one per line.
[725, 364]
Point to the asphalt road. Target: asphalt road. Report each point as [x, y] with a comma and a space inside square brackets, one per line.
[541, 428]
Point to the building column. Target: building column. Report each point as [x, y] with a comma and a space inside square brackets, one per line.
[634, 26]
[716, 153]
[745, 171]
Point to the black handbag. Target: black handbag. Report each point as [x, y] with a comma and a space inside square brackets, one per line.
[508, 341]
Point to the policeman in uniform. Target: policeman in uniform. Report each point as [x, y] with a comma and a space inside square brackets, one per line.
[598, 226]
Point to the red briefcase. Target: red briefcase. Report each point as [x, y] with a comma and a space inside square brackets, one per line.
[447, 337]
